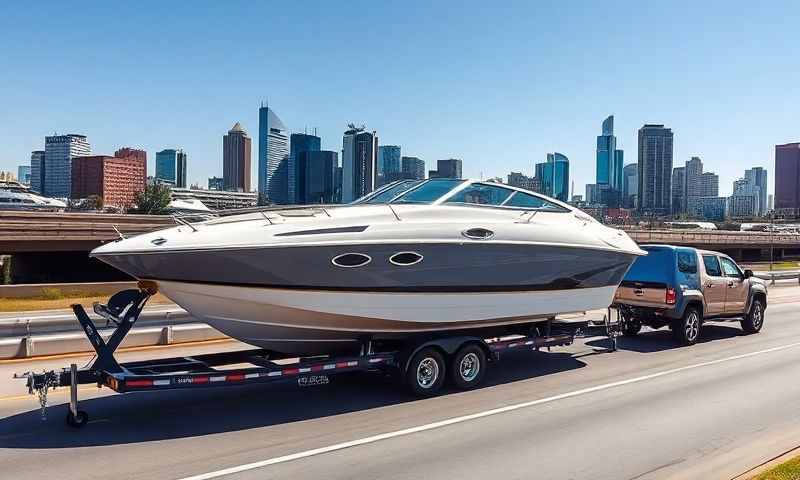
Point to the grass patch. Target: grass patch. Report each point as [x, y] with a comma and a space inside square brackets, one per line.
[785, 471]
[53, 301]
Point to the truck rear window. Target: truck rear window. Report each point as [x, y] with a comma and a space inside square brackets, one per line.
[687, 262]
[656, 266]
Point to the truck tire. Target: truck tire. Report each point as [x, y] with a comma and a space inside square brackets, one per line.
[426, 372]
[468, 367]
[754, 320]
[686, 330]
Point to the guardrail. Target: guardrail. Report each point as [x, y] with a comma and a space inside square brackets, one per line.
[778, 275]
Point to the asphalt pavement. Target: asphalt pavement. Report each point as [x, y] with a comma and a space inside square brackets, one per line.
[650, 410]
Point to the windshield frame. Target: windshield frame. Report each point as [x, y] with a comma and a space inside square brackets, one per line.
[562, 208]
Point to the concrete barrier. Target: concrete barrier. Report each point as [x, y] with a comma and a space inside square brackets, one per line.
[67, 289]
[57, 344]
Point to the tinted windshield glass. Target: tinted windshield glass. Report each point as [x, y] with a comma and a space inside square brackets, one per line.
[392, 191]
[524, 200]
[481, 194]
[430, 191]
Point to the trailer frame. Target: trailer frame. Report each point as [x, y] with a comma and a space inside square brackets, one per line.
[203, 371]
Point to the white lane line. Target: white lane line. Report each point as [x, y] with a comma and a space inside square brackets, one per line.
[473, 416]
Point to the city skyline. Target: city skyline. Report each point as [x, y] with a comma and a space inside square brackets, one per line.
[527, 113]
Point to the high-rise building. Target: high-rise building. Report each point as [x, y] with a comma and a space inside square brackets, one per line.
[655, 169]
[449, 168]
[171, 167]
[517, 179]
[678, 190]
[388, 164]
[24, 174]
[116, 180]
[413, 168]
[37, 171]
[787, 177]
[359, 163]
[630, 182]
[273, 157]
[609, 159]
[553, 176]
[236, 148]
[216, 183]
[316, 177]
[299, 142]
[757, 177]
[711, 208]
[698, 184]
[59, 150]
[135, 154]
[592, 193]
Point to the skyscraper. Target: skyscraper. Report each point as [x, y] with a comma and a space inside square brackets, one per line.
[517, 179]
[678, 190]
[787, 176]
[236, 148]
[699, 184]
[171, 167]
[413, 168]
[59, 150]
[359, 162]
[317, 176]
[388, 164]
[609, 159]
[24, 174]
[630, 182]
[449, 168]
[757, 177]
[37, 171]
[273, 157]
[553, 176]
[655, 169]
[299, 142]
[745, 200]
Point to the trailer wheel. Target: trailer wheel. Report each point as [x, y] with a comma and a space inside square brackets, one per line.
[631, 325]
[754, 320]
[77, 421]
[425, 374]
[468, 367]
[686, 329]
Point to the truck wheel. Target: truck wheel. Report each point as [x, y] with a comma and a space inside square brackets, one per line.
[631, 326]
[468, 367]
[425, 374]
[754, 320]
[686, 329]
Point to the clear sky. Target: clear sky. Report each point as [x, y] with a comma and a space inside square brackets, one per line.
[498, 86]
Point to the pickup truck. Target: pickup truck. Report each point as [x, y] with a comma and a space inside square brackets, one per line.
[683, 288]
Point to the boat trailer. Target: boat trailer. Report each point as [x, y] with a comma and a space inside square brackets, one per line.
[202, 371]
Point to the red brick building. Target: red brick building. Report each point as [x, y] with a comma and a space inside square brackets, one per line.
[117, 180]
[133, 153]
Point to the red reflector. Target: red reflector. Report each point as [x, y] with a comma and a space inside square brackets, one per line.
[316, 368]
[291, 371]
[671, 296]
[200, 380]
[139, 383]
[341, 365]
[234, 378]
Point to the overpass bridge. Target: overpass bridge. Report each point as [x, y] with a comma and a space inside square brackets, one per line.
[53, 241]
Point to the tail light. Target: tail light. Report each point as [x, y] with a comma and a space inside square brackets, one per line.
[670, 296]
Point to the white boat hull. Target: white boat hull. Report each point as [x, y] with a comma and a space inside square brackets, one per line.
[317, 321]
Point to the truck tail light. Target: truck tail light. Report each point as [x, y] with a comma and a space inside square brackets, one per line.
[671, 297]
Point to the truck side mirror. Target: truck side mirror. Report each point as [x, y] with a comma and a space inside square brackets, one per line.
[748, 273]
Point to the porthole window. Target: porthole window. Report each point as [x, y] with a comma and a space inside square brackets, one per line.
[405, 259]
[478, 233]
[351, 260]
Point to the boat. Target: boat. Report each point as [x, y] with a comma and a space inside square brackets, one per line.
[414, 256]
[16, 196]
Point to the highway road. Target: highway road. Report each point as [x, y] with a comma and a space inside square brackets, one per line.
[651, 410]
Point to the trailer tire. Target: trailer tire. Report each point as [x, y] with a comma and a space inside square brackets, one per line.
[754, 320]
[426, 372]
[79, 420]
[631, 326]
[686, 330]
[468, 367]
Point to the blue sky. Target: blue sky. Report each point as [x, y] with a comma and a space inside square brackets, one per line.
[498, 86]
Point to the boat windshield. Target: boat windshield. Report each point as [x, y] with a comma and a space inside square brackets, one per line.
[390, 191]
[429, 191]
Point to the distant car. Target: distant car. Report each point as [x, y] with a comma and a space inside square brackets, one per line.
[684, 287]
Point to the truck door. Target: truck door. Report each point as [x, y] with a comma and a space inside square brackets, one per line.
[714, 286]
[736, 298]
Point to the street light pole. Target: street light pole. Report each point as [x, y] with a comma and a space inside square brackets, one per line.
[771, 243]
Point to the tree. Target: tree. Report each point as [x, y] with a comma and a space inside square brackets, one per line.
[154, 199]
[94, 202]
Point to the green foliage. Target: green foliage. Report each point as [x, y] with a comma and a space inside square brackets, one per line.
[153, 200]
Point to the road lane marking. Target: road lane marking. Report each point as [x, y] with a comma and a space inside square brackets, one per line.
[470, 417]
